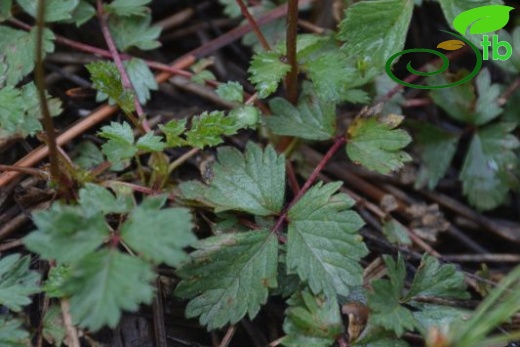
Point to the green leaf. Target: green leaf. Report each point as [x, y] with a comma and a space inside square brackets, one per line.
[311, 321]
[120, 144]
[159, 235]
[66, 233]
[231, 91]
[55, 10]
[312, 119]
[489, 165]
[106, 79]
[384, 302]
[172, 130]
[266, 72]
[332, 74]
[323, 244]
[95, 199]
[150, 143]
[17, 282]
[487, 107]
[20, 110]
[134, 31]
[208, 129]
[12, 334]
[253, 182]
[435, 280]
[437, 148]
[231, 8]
[54, 330]
[245, 116]
[124, 8]
[88, 155]
[229, 276]
[377, 145]
[82, 13]
[395, 232]
[18, 49]
[58, 275]
[141, 77]
[483, 19]
[104, 283]
[374, 30]
[5, 9]
[430, 316]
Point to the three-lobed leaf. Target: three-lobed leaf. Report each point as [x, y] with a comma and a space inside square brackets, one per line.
[266, 72]
[128, 7]
[252, 182]
[311, 119]
[17, 282]
[323, 245]
[229, 276]
[377, 145]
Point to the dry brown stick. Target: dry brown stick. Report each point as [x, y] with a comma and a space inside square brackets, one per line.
[72, 333]
[483, 258]
[229, 335]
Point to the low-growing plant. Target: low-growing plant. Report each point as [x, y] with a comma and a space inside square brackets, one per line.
[246, 232]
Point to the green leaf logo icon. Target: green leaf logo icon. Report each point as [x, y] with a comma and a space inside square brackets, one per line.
[484, 19]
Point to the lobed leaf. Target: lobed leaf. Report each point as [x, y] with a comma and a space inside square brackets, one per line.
[266, 72]
[253, 182]
[323, 245]
[229, 276]
[17, 282]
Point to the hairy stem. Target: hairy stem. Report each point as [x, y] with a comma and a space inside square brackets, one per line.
[254, 25]
[127, 84]
[39, 78]
[291, 81]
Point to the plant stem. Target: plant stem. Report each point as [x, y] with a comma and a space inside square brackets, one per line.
[291, 80]
[39, 77]
[254, 25]
[127, 84]
[340, 140]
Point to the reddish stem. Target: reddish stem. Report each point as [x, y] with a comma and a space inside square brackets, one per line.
[310, 181]
[127, 84]
[254, 25]
[292, 32]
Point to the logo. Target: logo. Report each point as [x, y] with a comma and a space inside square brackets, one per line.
[480, 20]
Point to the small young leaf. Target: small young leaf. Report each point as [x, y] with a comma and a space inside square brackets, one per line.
[120, 144]
[312, 119]
[433, 279]
[104, 283]
[231, 8]
[134, 31]
[66, 233]
[159, 235]
[229, 276]
[482, 19]
[208, 129]
[266, 72]
[55, 10]
[323, 246]
[253, 182]
[377, 145]
[489, 164]
[95, 199]
[385, 303]
[82, 13]
[150, 143]
[312, 321]
[54, 330]
[246, 116]
[12, 334]
[231, 91]
[106, 79]
[172, 130]
[88, 155]
[125, 8]
[17, 282]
